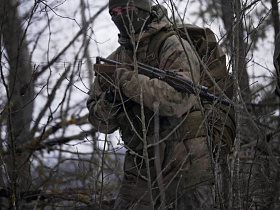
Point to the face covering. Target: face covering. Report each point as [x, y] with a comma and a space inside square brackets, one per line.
[130, 22]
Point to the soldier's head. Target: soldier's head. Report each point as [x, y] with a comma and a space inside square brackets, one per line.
[130, 16]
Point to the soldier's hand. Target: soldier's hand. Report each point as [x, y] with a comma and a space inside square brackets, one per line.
[113, 96]
[121, 75]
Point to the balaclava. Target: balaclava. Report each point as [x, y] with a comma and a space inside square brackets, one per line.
[130, 22]
[142, 4]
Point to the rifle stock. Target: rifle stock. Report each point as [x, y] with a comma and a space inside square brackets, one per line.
[102, 68]
[175, 80]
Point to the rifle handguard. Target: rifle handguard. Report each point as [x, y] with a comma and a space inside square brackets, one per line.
[175, 80]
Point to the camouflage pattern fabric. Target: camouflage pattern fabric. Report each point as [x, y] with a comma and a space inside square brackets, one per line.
[184, 155]
[201, 197]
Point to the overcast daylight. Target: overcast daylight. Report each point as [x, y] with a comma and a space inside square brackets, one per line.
[139, 104]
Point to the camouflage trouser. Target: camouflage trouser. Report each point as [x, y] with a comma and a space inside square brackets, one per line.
[187, 179]
[184, 164]
[201, 197]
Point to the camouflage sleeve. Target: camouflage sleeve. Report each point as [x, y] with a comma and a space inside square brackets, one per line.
[180, 59]
[172, 103]
[102, 114]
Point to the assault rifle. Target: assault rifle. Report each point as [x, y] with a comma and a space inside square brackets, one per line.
[175, 80]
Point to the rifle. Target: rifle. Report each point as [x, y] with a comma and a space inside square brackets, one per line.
[175, 80]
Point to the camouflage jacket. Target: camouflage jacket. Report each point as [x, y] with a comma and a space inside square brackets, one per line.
[173, 105]
[136, 122]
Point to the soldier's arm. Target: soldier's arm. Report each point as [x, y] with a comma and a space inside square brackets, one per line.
[171, 102]
[102, 114]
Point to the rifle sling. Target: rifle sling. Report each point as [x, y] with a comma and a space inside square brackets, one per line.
[155, 45]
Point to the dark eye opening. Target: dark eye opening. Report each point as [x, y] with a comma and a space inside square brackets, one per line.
[113, 14]
[124, 10]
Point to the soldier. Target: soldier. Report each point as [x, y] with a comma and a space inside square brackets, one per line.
[127, 102]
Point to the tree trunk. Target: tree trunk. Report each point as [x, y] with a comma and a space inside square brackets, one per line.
[241, 66]
[275, 16]
[233, 15]
[20, 92]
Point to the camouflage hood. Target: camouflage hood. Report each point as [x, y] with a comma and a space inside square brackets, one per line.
[159, 21]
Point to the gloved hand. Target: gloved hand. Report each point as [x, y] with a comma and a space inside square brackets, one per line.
[113, 96]
[121, 76]
[110, 96]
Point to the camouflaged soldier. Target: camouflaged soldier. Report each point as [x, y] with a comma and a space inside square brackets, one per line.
[116, 103]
